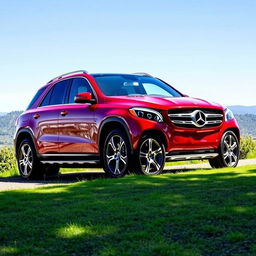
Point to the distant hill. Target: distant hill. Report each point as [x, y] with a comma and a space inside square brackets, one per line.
[242, 110]
[3, 113]
[7, 127]
[247, 123]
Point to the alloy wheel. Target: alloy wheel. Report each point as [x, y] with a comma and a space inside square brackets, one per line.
[230, 150]
[116, 155]
[151, 156]
[25, 160]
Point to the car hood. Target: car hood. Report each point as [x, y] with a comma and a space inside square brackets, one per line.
[163, 102]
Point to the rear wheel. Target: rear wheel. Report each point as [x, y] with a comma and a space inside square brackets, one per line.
[229, 152]
[28, 163]
[150, 156]
[116, 154]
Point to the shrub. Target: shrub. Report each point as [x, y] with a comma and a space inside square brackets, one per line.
[7, 159]
[247, 147]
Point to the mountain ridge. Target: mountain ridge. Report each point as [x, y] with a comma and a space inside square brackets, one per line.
[242, 110]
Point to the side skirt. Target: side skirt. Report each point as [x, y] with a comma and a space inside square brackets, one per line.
[191, 155]
[71, 160]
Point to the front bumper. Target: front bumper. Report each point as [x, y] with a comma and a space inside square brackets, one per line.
[183, 139]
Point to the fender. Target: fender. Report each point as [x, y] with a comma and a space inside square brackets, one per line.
[122, 122]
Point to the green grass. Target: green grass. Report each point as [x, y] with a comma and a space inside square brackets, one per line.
[204, 212]
[9, 173]
[251, 155]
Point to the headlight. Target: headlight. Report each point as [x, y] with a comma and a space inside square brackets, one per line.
[228, 115]
[147, 113]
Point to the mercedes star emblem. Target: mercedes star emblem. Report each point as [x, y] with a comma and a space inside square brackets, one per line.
[199, 118]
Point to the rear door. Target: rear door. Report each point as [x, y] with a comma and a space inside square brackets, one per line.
[77, 127]
[47, 118]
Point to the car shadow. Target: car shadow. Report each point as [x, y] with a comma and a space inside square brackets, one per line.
[71, 177]
[61, 178]
[183, 169]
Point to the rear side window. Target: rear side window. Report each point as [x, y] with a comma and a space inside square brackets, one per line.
[56, 95]
[79, 85]
[35, 98]
[47, 98]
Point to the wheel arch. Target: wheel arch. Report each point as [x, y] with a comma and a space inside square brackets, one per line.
[22, 134]
[112, 123]
[156, 133]
[236, 131]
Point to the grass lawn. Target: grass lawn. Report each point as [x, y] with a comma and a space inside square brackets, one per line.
[204, 212]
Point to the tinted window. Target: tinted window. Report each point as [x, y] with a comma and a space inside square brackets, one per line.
[46, 100]
[117, 85]
[35, 98]
[57, 94]
[78, 85]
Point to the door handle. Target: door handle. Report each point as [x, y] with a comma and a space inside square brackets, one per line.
[36, 116]
[64, 113]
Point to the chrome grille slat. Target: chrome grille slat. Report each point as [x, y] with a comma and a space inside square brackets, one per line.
[214, 122]
[196, 118]
[182, 122]
[213, 115]
[179, 115]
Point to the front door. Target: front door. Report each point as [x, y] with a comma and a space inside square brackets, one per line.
[77, 128]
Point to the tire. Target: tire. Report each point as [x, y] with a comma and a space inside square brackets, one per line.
[116, 154]
[149, 159]
[229, 152]
[28, 163]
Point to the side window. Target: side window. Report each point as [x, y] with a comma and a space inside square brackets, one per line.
[78, 85]
[57, 94]
[38, 94]
[46, 100]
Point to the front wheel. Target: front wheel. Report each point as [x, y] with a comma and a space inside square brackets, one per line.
[229, 151]
[150, 156]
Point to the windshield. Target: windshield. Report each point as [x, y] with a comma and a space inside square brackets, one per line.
[133, 85]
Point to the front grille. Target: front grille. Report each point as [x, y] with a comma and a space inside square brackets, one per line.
[196, 118]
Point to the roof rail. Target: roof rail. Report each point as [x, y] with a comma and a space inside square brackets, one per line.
[69, 73]
[141, 74]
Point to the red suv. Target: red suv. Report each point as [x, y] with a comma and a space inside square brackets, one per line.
[122, 122]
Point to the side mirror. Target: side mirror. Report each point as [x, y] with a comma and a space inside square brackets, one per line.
[84, 97]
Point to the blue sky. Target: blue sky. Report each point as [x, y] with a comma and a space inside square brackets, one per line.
[206, 49]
